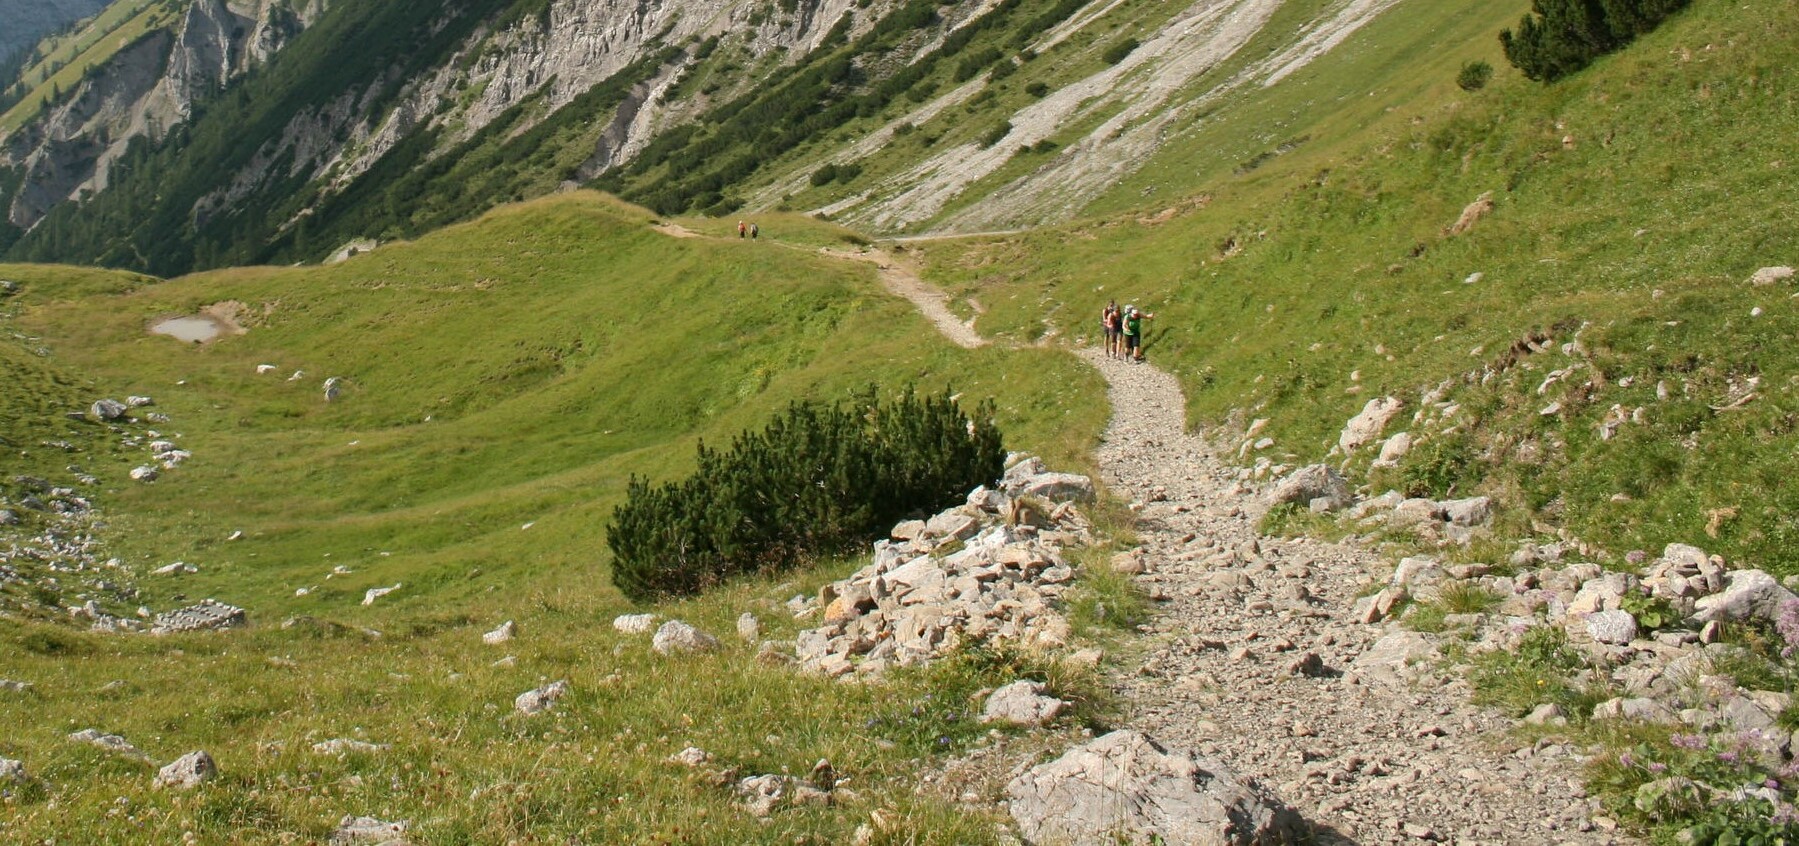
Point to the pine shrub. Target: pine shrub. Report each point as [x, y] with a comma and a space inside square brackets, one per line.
[1474, 76]
[1560, 37]
[818, 480]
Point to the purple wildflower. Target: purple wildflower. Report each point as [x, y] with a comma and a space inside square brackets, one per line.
[1785, 814]
[1626, 759]
[1687, 741]
[1788, 626]
[1727, 757]
[1657, 767]
[1636, 556]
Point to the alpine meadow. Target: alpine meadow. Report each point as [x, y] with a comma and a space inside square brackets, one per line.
[899, 422]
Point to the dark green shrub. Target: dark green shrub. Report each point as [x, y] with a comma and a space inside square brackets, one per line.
[1122, 48]
[824, 175]
[1560, 37]
[1037, 89]
[996, 134]
[819, 480]
[1474, 76]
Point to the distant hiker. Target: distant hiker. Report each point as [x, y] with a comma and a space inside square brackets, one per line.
[1133, 331]
[741, 228]
[755, 231]
[1109, 323]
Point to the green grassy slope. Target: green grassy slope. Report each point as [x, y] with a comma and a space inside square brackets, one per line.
[1635, 199]
[504, 378]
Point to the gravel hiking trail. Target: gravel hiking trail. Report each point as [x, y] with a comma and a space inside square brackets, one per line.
[1253, 659]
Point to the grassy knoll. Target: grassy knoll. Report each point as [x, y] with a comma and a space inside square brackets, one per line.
[503, 379]
[1633, 202]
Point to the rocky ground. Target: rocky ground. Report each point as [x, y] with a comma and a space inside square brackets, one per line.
[1258, 659]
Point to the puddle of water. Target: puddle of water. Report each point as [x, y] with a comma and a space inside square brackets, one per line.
[191, 329]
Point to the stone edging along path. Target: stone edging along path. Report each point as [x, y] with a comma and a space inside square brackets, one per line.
[1255, 659]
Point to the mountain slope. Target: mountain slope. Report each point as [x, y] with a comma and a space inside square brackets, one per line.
[29, 20]
[386, 121]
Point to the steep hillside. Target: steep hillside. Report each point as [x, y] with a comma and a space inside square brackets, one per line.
[1590, 345]
[501, 381]
[29, 20]
[386, 121]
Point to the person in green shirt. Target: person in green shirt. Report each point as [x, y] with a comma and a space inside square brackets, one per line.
[1133, 331]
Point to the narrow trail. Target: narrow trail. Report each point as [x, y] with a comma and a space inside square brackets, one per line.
[900, 277]
[1366, 752]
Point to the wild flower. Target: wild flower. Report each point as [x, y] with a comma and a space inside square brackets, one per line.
[1785, 814]
[1787, 623]
[1636, 556]
[1727, 757]
[1626, 759]
[1692, 742]
[1657, 767]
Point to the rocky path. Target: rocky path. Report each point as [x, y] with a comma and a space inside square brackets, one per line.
[901, 278]
[1254, 659]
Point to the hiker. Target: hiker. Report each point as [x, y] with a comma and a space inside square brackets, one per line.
[741, 228]
[1108, 323]
[755, 231]
[1133, 331]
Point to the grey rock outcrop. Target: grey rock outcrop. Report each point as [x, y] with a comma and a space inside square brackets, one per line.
[1747, 594]
[634, 623]
[505, 632]
[12, 772]
[1317, 481]
[188, 771]
[677, 637]
[1771, 275]
[1366, 426]
[207, 614]
[110, 742]
[1023, 703]
[541, 699]
[107, 409]
[1125, 788]
[357, 831]
[346, 745]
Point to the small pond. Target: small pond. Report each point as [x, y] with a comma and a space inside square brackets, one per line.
[196, 329]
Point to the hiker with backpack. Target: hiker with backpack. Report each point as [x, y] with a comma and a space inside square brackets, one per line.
[1133, 332]
[1109, 323]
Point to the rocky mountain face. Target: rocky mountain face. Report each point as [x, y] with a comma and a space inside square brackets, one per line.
[385, 121]
[23, 22]
[146, 89]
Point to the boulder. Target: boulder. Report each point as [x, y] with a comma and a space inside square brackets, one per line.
[352, 831]
[369, 596]
[1058, 487]
[1473, 511]
[678, 637]
[109, 742]
[1638, 708]
[1309, 483]
[1747, 594]
[506, 631]
[1124, 787]
[107, 409]
[207, 615]
[345, 745]
[188, 771]
[692, 756]
[12, 772]
[540, 700]
[952, 524]
[1394, 449]
[144, 473]
[634, 623]
[1471, 214]
[748, 627]
[9, 517]
[1022, 702]
[333, 388]
[1614, 627]
[1366, 426]
[1771, 275]
[139, 402]
[1388, 658]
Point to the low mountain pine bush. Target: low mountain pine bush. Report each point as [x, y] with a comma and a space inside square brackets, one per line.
[819, 480]
[1560, 37]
